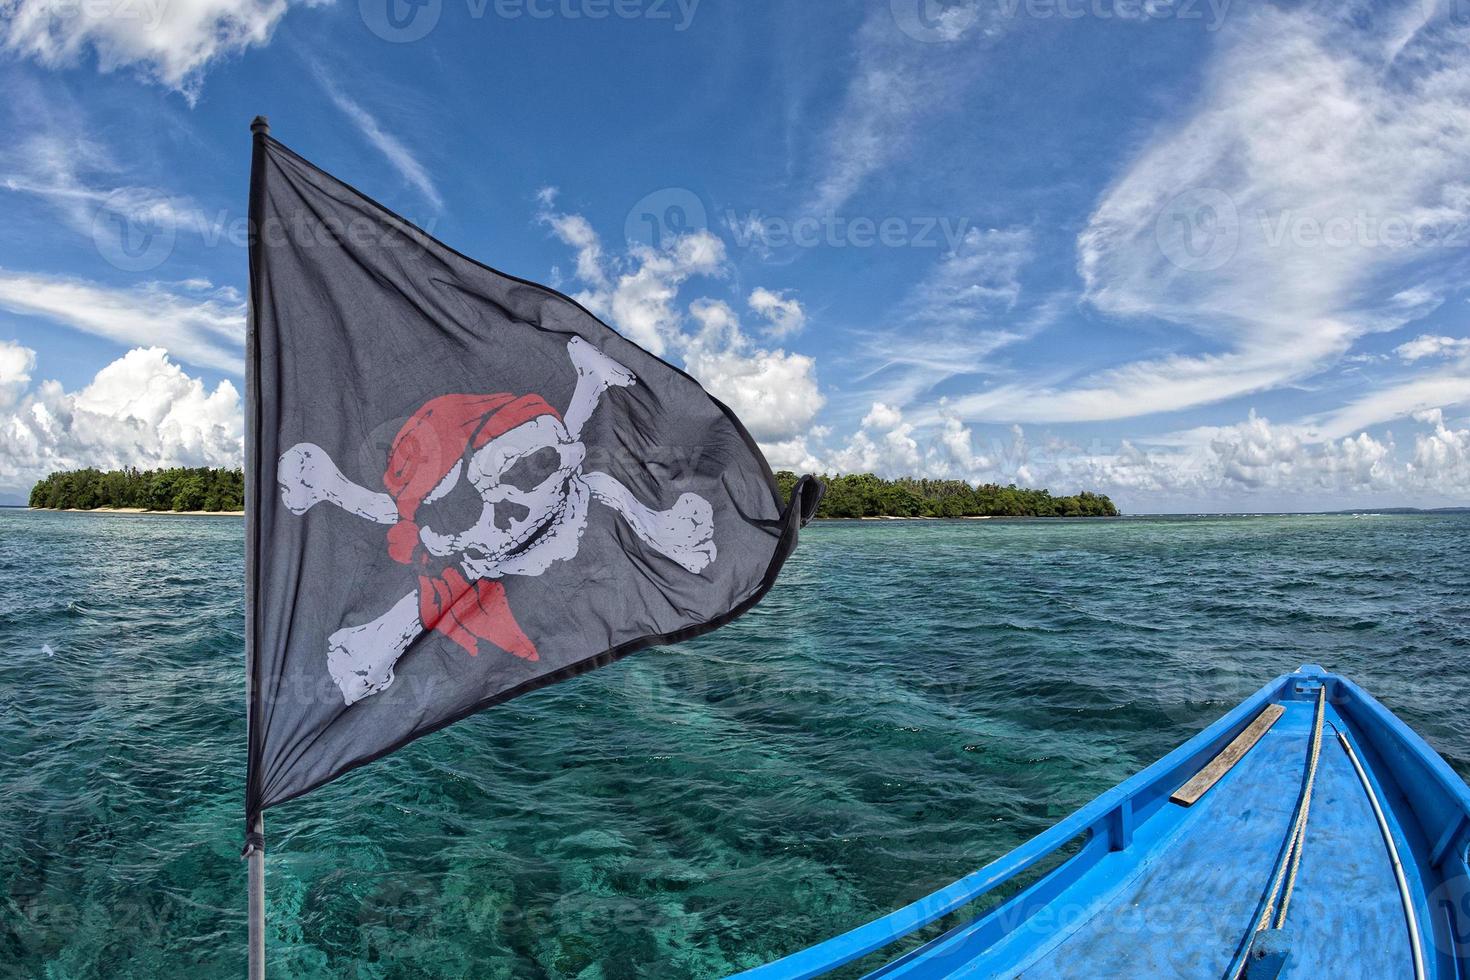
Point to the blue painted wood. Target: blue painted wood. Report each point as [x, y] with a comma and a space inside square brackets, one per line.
[1158, 889]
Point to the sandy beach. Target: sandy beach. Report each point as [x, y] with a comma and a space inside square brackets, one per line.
[140, 510]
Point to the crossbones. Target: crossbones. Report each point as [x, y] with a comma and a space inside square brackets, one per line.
[525, 461]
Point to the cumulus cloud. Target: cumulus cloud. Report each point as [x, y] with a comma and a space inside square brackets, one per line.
[171, 42]
[636, 293]
[194, 320]
[577, 231]
[890, 444]
[1430, 346]
[141, 410]
[884, 444]
[1441, 457]
[16, 365]
[1251, 464]
[775, 393]
[783, 314]
[1256, 454]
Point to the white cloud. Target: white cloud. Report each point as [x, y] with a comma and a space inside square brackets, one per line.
[1394, 401]
[16, 365]
[636, 293]
[957, 317]
[1257, 454]
[897, 83]
[141, 410]
[196, 322]
[92, 192]
[1428, 345]
[1442, 457]
[773, 392]
[1287, 466]
[1281, 219]
[171, 42]
[980, 278]
[1249, 465]
[397, 154]
[783, 313]
[882, 416]
[577, 231]
[884, 444]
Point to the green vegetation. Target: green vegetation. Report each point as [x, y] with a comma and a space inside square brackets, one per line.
[865, 495]
[172, 489]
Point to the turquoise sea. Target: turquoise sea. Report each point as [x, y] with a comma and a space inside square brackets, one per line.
[912, 700]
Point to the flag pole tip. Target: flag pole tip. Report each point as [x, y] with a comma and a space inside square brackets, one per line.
[260, 124]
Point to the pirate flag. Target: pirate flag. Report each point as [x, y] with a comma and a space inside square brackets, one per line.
[462, 486]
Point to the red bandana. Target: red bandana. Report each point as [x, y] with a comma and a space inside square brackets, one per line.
[425, 450]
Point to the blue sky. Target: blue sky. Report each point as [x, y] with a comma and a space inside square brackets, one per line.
[1199, 256]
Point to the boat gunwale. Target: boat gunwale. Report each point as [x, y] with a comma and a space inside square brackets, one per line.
[1112, 814]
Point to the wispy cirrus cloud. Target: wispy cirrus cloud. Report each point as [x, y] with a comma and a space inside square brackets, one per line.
[89, 188]
[955, 318]
[1295, 209]
[1391, 402]
[398, 155]
[898, 83]
[196, 321]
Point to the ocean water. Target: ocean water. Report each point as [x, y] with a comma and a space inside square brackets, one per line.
[912, 700]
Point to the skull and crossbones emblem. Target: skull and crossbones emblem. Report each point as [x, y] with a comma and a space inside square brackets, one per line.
[524, 461]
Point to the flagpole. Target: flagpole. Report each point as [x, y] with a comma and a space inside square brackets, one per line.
[257, 904]
[255, 833]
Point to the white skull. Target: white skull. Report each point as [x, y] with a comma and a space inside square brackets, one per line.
[528, 494]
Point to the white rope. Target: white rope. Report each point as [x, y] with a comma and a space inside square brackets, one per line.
[1287, 867]
[1393, 857]
[1298, 829]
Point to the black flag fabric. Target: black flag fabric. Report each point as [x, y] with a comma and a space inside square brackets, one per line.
[462, 487]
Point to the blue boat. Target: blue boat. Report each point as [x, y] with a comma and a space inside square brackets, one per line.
[1309, 833]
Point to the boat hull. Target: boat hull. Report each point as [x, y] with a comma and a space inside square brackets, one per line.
[1137, 883]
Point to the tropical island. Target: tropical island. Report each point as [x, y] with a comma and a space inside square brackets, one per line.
[206, 490]
[177, 490]
[865, 495]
